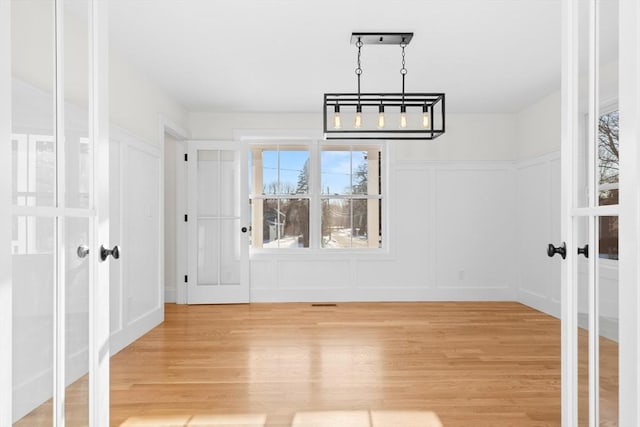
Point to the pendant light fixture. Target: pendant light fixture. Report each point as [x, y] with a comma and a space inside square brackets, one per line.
[412, 116]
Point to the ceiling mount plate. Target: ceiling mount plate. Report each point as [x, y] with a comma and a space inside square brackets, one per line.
[381, 38]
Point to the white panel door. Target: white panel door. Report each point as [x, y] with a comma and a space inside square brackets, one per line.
[217, 223]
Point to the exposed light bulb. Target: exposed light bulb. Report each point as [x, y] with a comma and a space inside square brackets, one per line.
[403, 116]
[336, 117]
[381, 117]
[357, 123]
[425, 117]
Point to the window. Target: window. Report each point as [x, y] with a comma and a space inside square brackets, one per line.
[608, 167]
[350, 201]
[279, 196]
[312, 196]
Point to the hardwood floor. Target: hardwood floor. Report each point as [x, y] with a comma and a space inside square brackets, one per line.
[357, 364]
[473, 364]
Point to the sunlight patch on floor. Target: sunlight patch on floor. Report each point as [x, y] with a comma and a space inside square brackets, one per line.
[201, 420]
[366, 419]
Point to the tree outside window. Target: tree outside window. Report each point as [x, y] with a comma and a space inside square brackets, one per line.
[608, 170]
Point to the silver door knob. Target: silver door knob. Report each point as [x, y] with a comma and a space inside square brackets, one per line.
[104, 252]
[83, 251]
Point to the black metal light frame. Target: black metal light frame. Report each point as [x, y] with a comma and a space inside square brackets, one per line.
[371, 102]
[432, 104]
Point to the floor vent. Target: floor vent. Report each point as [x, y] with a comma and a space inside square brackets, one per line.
[324, 305]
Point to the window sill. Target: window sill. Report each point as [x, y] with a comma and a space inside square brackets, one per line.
[321, 254]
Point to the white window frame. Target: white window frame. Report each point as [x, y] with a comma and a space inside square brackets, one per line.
[315, 143]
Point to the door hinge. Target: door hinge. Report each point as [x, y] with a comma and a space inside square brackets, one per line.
[186, 157]
[186, 217]
[186, 279]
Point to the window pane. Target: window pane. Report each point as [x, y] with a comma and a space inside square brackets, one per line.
[336, 172]
[359, 235]
[336, 223]
[359, 172]
[285, 223]
[609, 237]
[294, 172]
[350, 223]
[269, 172]
[283, 171]
[608, 158]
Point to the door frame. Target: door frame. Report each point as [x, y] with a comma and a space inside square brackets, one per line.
[99, 297]
[191, 193]
[629, 292]
[180, 134]
[6, 309]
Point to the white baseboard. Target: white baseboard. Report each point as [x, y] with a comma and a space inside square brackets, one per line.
[395, 294]
[170, 295]
[135, 330]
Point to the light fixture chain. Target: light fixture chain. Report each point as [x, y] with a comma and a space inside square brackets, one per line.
[403, 70]
[359, 68]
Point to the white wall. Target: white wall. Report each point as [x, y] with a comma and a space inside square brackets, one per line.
[136, 290]
[450, 225]
[538, 224]
[538, 204]
[468, 137]
[450, 205]
[538, 128]
[136, 104]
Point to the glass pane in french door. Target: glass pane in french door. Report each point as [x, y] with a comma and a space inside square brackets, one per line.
[77, 153]
[33, 112]
[584, 317]
[76, 232]
[33, 248]
[33, 243]
[77, 186]
[608, 321]
[607, 158]
[584, 92]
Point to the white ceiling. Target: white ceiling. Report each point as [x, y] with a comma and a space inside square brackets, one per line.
[282, 55]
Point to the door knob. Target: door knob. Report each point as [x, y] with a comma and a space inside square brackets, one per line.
[243, 229]
[104, 252]
[83, 251]
[562, 250]
[584, 251]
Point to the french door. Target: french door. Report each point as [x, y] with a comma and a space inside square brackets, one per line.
[595, 330]
[217, 222]
[59, 204]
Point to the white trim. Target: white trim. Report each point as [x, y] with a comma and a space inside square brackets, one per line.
[135, 329]
[99, 299]
[569, 137]
[51, 212]
[182, 267]
[180, 134]
[172, 128]
[388, 294]
[6, 313]
[629, 293]
[605, 210]
[59, 270]
[283, 135]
